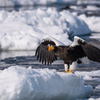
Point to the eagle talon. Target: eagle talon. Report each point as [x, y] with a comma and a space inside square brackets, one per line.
[69, 71]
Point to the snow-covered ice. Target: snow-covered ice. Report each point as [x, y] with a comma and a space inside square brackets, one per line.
[33, 2]
[24, 30]
[44, 2]
[88, 2]
[20, 83]
[92, 76]
[92, 73]
[90, 99]
[88, 75]
[93, 22]
[98, 87]
[88, 8]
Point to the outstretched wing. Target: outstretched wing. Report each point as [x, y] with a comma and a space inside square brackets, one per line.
[92, 52]
[43, 54]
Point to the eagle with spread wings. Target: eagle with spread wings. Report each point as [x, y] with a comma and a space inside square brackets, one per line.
[78, 52]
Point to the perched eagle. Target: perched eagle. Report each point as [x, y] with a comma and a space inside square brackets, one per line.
[78, 52]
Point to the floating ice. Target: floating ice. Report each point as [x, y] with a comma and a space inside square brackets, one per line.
[44, 2]
[20, 83]
[32, 2]
[24, 30]
[88, 75]
[92, 73]
[98, 87]
[90, 99]
[88, 2]
[93, 22]
[77, 25]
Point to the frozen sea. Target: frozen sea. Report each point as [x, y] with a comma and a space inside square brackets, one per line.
[23, 77]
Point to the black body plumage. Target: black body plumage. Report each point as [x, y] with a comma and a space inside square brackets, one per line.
[68, 54]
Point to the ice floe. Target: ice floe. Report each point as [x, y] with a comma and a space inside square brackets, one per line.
[90, 76]
[33, 2]
[90, 99]
[20, 83]
[98, 87]
[24, 30]
[44, 2]
[88, 2]
[93, 22]
[91, 73]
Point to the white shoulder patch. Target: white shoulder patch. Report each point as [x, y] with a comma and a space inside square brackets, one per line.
[75, 42]
[57, 42]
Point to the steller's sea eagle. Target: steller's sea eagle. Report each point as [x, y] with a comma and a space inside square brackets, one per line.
[78, 52]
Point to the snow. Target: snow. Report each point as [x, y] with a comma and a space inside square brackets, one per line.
[98, 87]
[24, 30]
[88, 8]
[88, 75]
[78, 26]
[8, 3]
[92, 73]
[90, 99]
[32, 2]
[92, 76]
[20, 83]
[93, 22]
[92, 8]
[88, 2]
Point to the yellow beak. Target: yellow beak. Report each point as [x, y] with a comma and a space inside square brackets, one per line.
[50, 48]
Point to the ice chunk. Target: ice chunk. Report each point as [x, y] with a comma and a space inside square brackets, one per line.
[88, 75]
[32, 2]
[98, 87]
[93, 22]
[77, 25]
[93, 98]
[20, 83]
[24, 30]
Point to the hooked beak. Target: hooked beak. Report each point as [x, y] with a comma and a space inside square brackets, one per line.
[50, 48]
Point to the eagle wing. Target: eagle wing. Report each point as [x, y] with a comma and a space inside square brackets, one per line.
[92, 52]
[43, 54]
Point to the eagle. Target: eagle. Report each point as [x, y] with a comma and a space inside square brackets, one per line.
[78, 52]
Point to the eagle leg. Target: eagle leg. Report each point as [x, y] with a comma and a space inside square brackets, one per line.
[67, 67]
